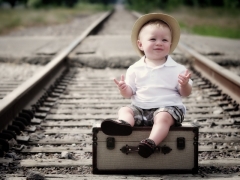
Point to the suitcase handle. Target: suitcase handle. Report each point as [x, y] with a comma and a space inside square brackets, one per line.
[132, 149]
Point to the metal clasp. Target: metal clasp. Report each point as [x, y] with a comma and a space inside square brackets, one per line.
[110, 143]
[181, 143]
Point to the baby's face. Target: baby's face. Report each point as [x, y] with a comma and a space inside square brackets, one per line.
[155, 41]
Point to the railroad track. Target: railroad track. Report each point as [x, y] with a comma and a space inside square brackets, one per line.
[10, 78]
[50, 134]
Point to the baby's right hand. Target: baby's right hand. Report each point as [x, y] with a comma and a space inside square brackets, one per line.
[121, 84]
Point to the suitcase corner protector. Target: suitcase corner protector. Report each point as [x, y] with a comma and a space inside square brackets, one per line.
[195, 170]
[95, 130]
[95, 171]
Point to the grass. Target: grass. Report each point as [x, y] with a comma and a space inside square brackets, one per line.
[217, 22]
[12, 19]
[217, 31]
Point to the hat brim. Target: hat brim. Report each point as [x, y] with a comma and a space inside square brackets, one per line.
[171, 21]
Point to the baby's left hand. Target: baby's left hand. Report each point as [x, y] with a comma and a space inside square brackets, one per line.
[183, 78]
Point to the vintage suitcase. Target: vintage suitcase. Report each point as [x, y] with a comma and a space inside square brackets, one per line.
[178, 153]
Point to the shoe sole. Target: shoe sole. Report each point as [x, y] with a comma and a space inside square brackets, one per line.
[144, 151]
[113, 128]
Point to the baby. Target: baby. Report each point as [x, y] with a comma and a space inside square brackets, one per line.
[155, 83]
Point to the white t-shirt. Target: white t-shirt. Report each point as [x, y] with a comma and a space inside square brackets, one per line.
[155, 87]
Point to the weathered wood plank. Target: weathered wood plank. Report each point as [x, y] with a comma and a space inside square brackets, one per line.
[15, 178]
[123, 101]
[217, 149]
[151, 177]
[79, 117]
[57, 149]
[219, 130]
[105, 104]
[83, 123]
[68, 131]
[131, 177]
[96, 106]
[60, 141]
[113, 116]
[6, 160]
[55, 162]
[109, 111]
[202, 116]
[220, 139]
[93, 101]
[227, 162]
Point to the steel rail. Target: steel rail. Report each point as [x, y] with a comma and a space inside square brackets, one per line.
[227, 81]
[27, 92]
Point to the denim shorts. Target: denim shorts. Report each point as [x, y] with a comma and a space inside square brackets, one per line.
[145, 117]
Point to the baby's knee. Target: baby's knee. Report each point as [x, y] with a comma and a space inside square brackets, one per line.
[163, 118]
[125, 110]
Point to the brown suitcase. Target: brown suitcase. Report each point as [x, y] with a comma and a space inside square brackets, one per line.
[178, 153]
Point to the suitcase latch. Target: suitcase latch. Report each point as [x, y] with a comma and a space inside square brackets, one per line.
[131, 149]
[180, 143]
[128, 149]
[165, 149]
[110, 143]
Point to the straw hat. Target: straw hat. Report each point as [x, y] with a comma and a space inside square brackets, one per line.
[171, 21]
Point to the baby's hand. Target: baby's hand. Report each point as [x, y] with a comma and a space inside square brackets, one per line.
[183, 78]
[121, 84]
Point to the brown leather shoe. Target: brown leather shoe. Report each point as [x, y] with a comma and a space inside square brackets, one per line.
[115, 128]
[146, 147]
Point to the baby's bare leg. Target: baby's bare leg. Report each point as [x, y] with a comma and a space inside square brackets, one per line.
[126, 114]
[160, 129]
